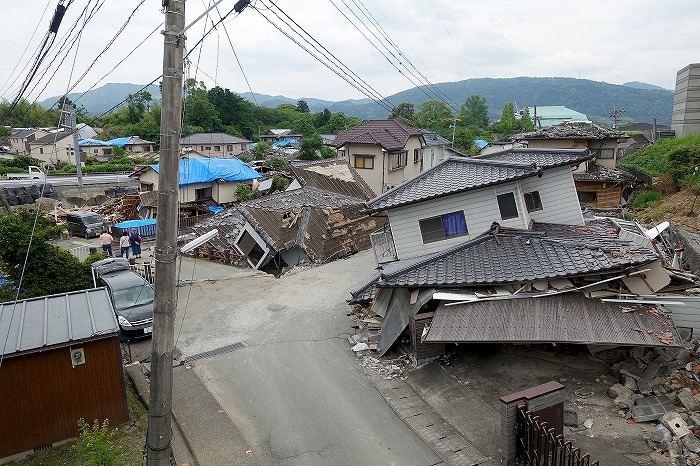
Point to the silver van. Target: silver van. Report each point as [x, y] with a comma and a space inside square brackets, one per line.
[85, 223]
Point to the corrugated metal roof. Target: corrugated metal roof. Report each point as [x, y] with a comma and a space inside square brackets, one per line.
[569, 318]
[47, 321]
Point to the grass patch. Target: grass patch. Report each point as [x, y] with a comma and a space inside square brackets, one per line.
[654, 160]
[642, 199]
[127, 441]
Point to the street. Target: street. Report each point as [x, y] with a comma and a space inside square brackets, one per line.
[69, 181]
[294, 388]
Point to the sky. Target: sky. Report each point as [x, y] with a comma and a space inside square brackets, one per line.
[421, 41]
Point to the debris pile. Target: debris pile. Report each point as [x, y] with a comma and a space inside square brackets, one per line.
[663, 386]
[26, 194]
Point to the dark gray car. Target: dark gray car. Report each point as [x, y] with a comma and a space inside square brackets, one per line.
[132, 296]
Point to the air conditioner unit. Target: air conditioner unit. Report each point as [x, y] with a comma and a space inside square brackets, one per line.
[77, 356]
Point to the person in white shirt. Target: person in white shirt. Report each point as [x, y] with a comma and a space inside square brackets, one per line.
[124, 245]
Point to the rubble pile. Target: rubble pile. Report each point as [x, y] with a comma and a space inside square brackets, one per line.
[22, 195]
[663, 386]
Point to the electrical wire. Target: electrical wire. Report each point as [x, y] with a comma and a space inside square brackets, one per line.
[233, 49]
[453, 39]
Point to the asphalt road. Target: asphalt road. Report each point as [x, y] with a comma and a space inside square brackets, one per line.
[69, 181]
[295, 390]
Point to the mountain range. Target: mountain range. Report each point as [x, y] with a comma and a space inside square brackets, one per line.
[641, 102]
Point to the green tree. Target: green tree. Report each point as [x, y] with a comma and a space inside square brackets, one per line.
[321, 118]
[260, 150]
[279, 183]
[434, 115]
[328, 153]
[302, 107]
[49, 269]
[245, 193]
[277, 163]
[5, 132]
[404, 112]
[310, 148]
[507, 125]
[474, 112]
[526, 123]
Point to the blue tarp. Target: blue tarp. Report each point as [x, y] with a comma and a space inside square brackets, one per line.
[93, 141]
[480, 143]
[145, 227]
[216, 208]
[194, 171]
[119, 142]
[284, 143]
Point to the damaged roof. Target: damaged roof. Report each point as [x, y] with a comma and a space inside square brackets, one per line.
[389, 134]
[512, 256]
[459, 174]
[569, 318]
[597, 172]
[571, 130]
[333, 175]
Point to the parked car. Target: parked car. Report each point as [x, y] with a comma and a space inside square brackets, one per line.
[84, 223]
[33, 173]
[131, 295]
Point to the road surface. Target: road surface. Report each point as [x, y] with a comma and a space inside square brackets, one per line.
[70, 181]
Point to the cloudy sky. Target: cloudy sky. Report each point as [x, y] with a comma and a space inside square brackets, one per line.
[433, 40]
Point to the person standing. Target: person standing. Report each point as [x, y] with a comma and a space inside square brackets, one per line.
[106, 241]
[124, 245]
[135, 241]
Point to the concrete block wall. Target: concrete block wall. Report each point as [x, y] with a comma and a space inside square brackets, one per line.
[536, 398]
[686, 101]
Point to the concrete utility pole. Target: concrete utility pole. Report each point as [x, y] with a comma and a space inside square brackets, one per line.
[70, 124]
[159, 440]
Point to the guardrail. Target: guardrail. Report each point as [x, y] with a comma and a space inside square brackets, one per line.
[81, 252]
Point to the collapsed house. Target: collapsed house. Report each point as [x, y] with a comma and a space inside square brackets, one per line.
[496, 250]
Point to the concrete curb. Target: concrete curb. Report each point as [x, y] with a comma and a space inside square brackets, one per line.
[438, 434]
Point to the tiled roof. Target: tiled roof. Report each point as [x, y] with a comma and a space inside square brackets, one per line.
[51, 137]
[545, 158]
[572, 130]
[212, 138]
[334, 175]
[389, 134]
[452, 176]
[301, 198]
[434, 139]
[597, 172]
[516, 256]
[24, 132]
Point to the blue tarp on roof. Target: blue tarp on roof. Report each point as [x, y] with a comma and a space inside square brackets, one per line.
[205, 170]
[284, 143]
[92, 141]
[119, 142]
[480, 143]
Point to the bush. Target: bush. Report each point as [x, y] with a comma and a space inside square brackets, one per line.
[640, 200]
[246, 193]
[277, 163]
[279, 183]
[96, 445]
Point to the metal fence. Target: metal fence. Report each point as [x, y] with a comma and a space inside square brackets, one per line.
[383, 245]
[147, 271]
[81, 252]
[538, 445]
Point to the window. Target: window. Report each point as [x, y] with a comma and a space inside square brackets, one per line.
[202, 193]
[587, 196]
[207, 147]
[146, 148]
[217, 148]
[398, 160]
[364, 161]
[229, 148]
[417, 155]
[146, 186]
[96, 151]
[605, 153]
[41, 150]
[506, 204]
[443, 227]
[533, 201]
[243, 147]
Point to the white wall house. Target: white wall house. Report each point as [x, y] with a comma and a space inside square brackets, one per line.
[460, 198]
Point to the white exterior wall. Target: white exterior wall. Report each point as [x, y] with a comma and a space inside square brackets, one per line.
[559, 205]
[558, 194]
[433, 155]
[61, 152]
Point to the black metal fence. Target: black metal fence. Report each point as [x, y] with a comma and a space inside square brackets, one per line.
[539, 445]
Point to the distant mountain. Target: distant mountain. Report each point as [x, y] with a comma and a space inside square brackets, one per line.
[596, 99]
[640, 85]
[101, 99]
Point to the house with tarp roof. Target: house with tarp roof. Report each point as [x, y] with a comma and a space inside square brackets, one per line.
[202, 179]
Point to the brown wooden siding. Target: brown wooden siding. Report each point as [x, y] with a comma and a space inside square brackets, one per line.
[43, 396]
[608, 196]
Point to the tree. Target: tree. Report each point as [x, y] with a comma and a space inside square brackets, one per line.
[5, 132]
[310, 147]
[321, 118]
[279, 183]
[277, 163]
[526, 123]
[434, 115]
[328, 153]
[507, 125]
[302, 107]
[246, 193]
[474, 112]
[260, 150]
[49, 269]
[404, 112]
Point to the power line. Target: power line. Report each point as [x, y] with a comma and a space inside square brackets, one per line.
[233, 49]
[453, 39]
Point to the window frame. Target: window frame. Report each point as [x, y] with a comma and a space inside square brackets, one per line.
[398, 160]
[594, 193]
[201, 193]
[605, 153]
[417, 155]
[507, 196]
[533, 204]
[364, 163]
[423, 225]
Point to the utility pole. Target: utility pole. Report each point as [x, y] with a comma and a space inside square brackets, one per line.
[70, 124]
[616, 116]
[159, 440]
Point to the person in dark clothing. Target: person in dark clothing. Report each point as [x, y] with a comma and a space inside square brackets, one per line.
[135, 241]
